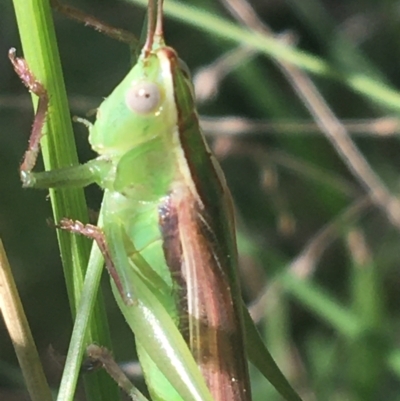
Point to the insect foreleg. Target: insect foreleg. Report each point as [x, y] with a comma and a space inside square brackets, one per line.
[22, 69]
[76, 176]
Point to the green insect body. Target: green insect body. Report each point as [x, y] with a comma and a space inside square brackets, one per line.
[155, 201]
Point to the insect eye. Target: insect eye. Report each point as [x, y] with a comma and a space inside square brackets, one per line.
[143, 97]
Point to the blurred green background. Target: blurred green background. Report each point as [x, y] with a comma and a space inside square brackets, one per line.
[332, 325]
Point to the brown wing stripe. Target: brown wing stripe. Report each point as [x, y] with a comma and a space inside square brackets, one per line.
[209, 321]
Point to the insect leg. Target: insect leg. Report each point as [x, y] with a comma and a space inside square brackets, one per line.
[101, 356]
[116, 260]
[22, 69]
[79, 176]
[76, 176]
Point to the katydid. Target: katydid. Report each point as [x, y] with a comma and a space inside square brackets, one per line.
[168, 233]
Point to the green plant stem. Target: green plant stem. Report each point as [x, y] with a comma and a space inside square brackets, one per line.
[40, 50]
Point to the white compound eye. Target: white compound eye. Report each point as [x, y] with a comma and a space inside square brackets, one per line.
[143, 97]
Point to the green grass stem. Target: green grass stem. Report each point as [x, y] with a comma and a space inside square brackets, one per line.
[40, 50]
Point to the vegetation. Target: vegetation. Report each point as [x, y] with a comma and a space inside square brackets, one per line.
[318, 222]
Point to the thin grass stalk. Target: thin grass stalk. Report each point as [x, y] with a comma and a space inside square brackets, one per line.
[21, 336]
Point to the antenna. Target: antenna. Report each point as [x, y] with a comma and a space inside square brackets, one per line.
[151, 9]
[159, 24]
